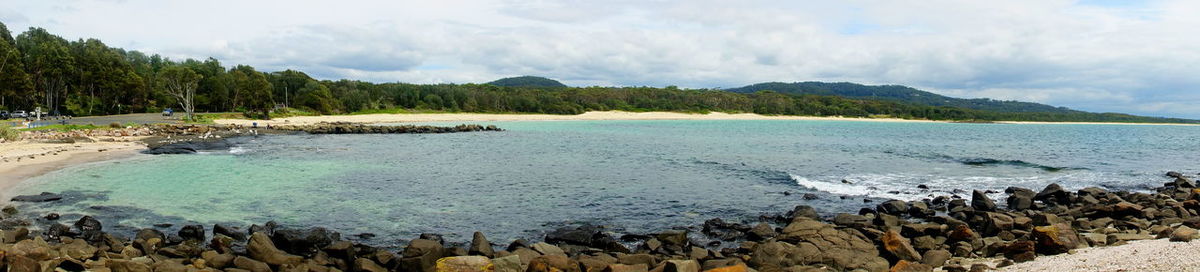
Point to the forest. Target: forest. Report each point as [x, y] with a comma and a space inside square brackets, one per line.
[87, 77]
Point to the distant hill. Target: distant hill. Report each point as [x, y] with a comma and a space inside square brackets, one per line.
[899, 93]
[527, 81]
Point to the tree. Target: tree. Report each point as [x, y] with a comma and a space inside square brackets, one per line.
[181, 82]
[49, 62]
[256, 88]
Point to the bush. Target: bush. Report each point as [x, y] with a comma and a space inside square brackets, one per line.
[9, 134]
[115, 125]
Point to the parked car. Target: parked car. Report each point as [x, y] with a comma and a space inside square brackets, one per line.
[19, 114]
[168, 112]
[4, 115]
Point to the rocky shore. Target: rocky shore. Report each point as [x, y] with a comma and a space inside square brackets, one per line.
[187, 139]
[944, 232]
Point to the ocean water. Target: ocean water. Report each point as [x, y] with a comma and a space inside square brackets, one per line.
[632, 176]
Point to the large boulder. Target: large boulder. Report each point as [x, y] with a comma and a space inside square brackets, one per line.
[43, 197]
[893, 207]
[981, 202]
[1054, 193]
[465, 264]
[421, 255]
[1055, 239]
[553, 263]
[899, 247]
[304, 242]
[480, 246]
[192, 232]
[808, 241]
[1183, 234]
[262, 249]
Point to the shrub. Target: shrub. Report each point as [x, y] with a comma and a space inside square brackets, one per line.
[9, 134]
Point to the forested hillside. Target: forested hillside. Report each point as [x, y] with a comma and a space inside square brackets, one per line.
[899, 94]
[527, 81]
[87, 77]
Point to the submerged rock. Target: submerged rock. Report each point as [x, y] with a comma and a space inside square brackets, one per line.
[43, 197]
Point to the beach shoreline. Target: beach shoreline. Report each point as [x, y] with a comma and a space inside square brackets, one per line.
[600, 116]
[27, 159]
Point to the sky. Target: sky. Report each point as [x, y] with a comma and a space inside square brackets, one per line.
[1140, 57]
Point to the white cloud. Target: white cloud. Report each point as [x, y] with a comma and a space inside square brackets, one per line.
[1091, 55]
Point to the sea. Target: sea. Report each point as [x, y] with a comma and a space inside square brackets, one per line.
[630, 177]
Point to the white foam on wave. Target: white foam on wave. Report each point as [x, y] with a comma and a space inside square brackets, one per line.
[830, 187]
[238, 150]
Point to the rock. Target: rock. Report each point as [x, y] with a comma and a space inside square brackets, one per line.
[422, 255]
[1174, 174]
[760, 232]
[548, 249]
[250, 264]
[673, 238]
[634, 259]
[464, 264]
[367, 265]
[1020, 251]
[628, 268]
[43, 197]
[997, 222]
[217, 260]
[433, 237]
[1020, 202]
[89, 228]
[263, 249]
[920, 209]
[511, 263]
[481, 246]
[850, 220]
[553, 263]
[980, 267]
[808, 241]
[981, 202]
[304, 242]
[731, 268]
[1053, 193]
[1183, 234]
[906, 266]
[78, 249]
[893, 207]
[810, 196]
[803, 211]
[192, 232]
[936, 257]
[682, 266]
[168, 266]
[228, 231]
[128, 266]
[1115, 238]
[1055, 239]
[899, 247]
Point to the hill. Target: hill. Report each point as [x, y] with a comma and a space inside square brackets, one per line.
[898, 93]
[527, 81]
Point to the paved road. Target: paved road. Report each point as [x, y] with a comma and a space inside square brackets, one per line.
[136, 118]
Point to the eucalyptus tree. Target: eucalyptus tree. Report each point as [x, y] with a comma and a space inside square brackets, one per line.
[181, 82]
[49, 62]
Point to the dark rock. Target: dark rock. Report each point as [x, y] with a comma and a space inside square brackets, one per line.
[1055, 239]
[52, 216]
[43, 197]
[760, 232]
[190, 147]
[304, 242]
[850, 220]
[1018, 202]
[935, 258]
[922, 186]
[433, 237]
[1053, 193]
[421, 255]
[810, 196]
[228, 231]
[89, 228]
[57, 231]
[981, 202]
[192, 232]
[1174, 174]
[1020, 251]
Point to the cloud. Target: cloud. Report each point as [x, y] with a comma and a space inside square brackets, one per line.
[1093, 55]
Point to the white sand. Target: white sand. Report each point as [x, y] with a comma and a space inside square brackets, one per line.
[25, 159]
[594, 115]
[1145, 255]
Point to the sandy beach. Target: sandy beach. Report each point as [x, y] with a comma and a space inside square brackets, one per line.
[26, 159]
[1145, 255]
[588, 116]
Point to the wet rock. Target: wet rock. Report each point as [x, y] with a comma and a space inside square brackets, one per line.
[1174, 174]
[673, 238]
[981, 202]
[192, 232]
[43, 197]
[760, 232]
[229, 231]
[1053, 193]
[433, 237]
[481, 246]
[304, 242]
[906, 266]
[263, 249]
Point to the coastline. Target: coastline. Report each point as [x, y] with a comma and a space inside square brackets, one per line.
[17, 165]
[588, 116]
[603, 116]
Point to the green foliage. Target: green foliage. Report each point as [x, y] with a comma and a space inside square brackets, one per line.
[527, 81]
[86, 77]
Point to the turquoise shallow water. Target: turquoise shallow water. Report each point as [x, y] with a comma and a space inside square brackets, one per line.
[636, 176]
